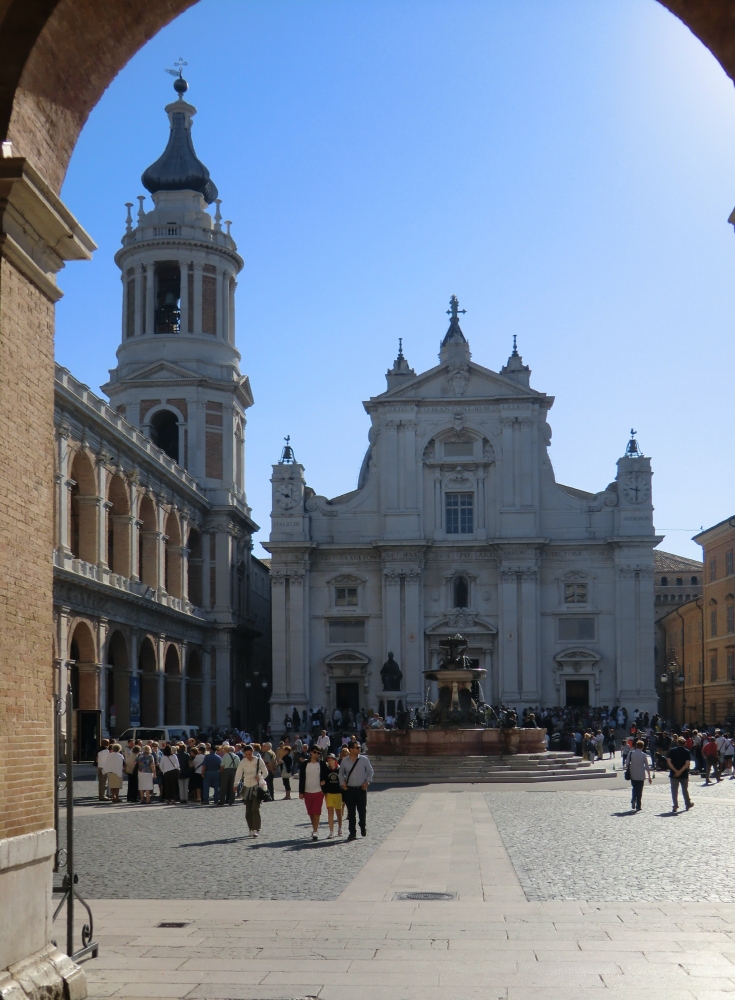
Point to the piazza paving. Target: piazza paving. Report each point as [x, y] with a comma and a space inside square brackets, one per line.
[557, 889]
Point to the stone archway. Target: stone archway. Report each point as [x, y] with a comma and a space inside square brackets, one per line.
[56, 59]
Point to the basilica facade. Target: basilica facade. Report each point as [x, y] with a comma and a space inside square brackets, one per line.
[458, 525]
[162, 613]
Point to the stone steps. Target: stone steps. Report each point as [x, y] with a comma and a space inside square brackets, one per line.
[554, 766]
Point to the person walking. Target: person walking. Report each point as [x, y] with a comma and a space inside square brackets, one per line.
[113, 768]
[146, 774]
[710, 759]
[312, 778]
[333, 796]
[286, 770]
[679, 761]
[252, 772]
[101, 773]
[638, 768]
[210, 777]
[228, 767]
[355, 774]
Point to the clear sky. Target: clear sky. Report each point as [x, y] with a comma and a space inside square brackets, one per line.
[565, 167]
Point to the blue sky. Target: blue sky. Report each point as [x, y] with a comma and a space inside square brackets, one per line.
[565, 167]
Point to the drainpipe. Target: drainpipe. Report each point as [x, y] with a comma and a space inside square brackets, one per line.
[701, 611]
[683, 672]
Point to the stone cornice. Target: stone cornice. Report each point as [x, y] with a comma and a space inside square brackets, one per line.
[37, 231]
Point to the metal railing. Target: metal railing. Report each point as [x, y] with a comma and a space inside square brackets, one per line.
[71, 879]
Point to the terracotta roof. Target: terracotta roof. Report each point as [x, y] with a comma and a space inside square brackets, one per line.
[664, 562]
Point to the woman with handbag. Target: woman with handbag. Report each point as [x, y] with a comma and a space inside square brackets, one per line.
[252, 772]
[312, 779]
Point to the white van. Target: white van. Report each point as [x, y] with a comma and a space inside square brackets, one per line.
[162, 734]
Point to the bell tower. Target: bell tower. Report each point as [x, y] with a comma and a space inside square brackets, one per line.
[177, 377]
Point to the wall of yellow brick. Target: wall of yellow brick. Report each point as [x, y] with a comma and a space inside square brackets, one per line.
[26, 524]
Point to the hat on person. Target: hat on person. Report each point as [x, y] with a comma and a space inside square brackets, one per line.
[331, 756]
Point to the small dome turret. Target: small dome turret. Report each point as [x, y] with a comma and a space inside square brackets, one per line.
[179, 168]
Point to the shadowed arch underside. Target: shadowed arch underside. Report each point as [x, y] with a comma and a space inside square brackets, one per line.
[57, 57]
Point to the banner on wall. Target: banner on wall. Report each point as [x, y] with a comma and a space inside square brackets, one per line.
[134, 700]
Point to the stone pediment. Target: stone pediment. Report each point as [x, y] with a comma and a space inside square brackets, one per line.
[161, 371]
[460, 380]
[465, 622]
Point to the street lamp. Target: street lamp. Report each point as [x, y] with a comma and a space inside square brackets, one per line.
[673, 675]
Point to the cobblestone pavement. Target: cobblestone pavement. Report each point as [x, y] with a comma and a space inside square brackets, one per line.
[588, 845]
[198, 852]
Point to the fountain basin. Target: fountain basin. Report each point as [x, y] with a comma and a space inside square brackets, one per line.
[470, 741]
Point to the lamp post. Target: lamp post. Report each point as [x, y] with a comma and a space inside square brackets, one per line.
[672, 675]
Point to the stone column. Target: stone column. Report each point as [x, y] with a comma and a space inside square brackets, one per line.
[389, 467]
[391, 613]
[197, 320]
[102, 633]
[409, 461]
[183, 681]
[281, 649]
[160, 543]
[231, 310]
[139, 303]
[104, 508]
[184, 295]
[413, 678]
[161, 678]
[150, 298]
[219, 327]
[510, 671]
[184, 557]
[507, 463]
[63, 493]
[207, 718]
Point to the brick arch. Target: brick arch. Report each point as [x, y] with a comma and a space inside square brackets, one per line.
[59, 56]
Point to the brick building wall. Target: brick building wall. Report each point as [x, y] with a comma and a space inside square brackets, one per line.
[26, 460]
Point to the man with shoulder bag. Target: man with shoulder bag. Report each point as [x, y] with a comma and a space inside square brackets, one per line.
[355, 774]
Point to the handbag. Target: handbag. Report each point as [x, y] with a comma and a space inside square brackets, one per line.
[626, 774]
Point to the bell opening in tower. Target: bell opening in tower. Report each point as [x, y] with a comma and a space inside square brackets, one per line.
[165, 433]
[168, 295]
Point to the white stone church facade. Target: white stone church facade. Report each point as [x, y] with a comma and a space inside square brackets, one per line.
[458, 525]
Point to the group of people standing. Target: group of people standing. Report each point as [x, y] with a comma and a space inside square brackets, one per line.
[188, 772]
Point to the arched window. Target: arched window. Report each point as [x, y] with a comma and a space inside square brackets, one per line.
[118, 684]
[461, 592]
[84, 504]
[147, 543]
[664, 581]
[148, 685]
[165, 432]
[118, 527]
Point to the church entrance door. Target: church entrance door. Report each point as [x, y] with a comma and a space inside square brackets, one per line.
[578, 694]
[348, 696]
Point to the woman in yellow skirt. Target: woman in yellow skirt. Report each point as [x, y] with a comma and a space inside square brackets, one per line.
[333, 796]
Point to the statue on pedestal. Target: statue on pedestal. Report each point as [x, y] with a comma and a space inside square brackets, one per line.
[391, 674]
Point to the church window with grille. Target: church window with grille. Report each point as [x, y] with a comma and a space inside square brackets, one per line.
[713, 622]
[460, 510]
[731, 665]
[345, 597]
[730, 619]
[575, 593]
[713, 667]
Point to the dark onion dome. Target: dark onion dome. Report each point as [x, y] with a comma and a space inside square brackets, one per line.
[179, 169]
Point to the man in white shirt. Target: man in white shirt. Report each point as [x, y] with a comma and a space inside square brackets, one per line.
[323, 743]
[101, 773]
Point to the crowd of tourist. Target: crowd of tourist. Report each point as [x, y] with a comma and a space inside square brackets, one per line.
[189, 772]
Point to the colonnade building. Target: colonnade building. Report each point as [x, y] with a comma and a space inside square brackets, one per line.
[162, 613]
[458, 524]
